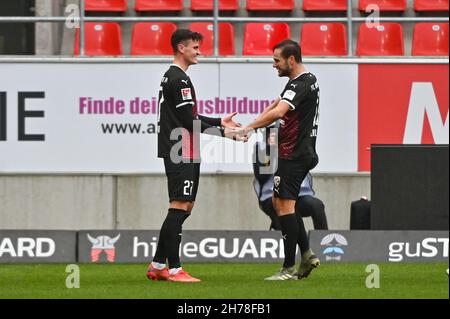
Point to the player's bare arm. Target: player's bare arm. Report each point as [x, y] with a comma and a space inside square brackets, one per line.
[271, 106]
[268, 117]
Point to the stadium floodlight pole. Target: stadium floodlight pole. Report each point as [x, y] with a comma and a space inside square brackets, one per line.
[216, 28]
[350, 28]
[81, 44]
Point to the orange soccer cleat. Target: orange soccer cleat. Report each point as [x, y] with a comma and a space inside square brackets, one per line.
[156, 274]
[182, 276]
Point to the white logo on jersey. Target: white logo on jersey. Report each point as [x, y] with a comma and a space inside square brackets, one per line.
[276, 181]
[186, 94]
[294, 85]
[289, 95]
[185, 81]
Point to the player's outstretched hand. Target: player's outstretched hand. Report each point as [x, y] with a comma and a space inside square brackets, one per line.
[235, 133]
[227, 121]
[246, 132]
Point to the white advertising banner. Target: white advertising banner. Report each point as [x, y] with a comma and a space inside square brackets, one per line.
[102, 118]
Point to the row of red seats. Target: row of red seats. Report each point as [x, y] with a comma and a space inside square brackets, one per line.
[317, 39]
[266, 5]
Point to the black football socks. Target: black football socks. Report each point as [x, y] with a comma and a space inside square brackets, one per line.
[302, 240]
[170, 238]
[290, 231]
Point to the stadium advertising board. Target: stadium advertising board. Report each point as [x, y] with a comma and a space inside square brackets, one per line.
[380, 246]
[139, 246]
[102, 118]
[37, 246]
[402, 104]
[126, 246]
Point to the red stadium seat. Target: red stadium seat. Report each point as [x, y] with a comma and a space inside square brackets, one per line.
[270, 5]
[106, 5]
[325, 5]
[324, 39]
[150, 38]
[260, 38]
[385, 5]
[208, 5]
[385, 39]
[158, 5]
[226, 38]
[430, 39]
[101, 38]
[431, 5]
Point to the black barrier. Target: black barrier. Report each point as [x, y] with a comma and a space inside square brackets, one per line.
[343, 246]
[17, 38]
[138, 246]
[38, 246]
[409, 187]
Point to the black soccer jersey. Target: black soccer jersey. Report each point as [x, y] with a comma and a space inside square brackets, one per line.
[178, 111]
[298, 129]
[176, 92]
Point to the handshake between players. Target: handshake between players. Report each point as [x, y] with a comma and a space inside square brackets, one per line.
[234, 130]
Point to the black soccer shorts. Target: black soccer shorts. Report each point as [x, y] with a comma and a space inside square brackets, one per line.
[290, 175]
[182, 180]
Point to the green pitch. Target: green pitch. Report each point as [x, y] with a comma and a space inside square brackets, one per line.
[225, 281]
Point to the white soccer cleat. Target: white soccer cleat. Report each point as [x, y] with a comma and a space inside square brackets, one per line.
[284, 274]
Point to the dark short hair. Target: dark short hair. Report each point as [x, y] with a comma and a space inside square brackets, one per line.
[288, 48]
[183, 35]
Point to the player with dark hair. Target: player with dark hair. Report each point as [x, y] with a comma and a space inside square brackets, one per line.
[297, 108]
[179, 126]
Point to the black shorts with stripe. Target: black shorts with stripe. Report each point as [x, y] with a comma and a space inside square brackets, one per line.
[182, 180]
[290, 175]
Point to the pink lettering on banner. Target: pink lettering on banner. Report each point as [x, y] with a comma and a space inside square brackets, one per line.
[108, 106]
[143, 106]
[113, 106]
[232, 104]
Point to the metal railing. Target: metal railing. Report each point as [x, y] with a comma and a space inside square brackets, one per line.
[221, 60]
[216, 19]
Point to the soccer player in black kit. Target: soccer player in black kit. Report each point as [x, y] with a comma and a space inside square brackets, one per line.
[297, 108]
[179, 126]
